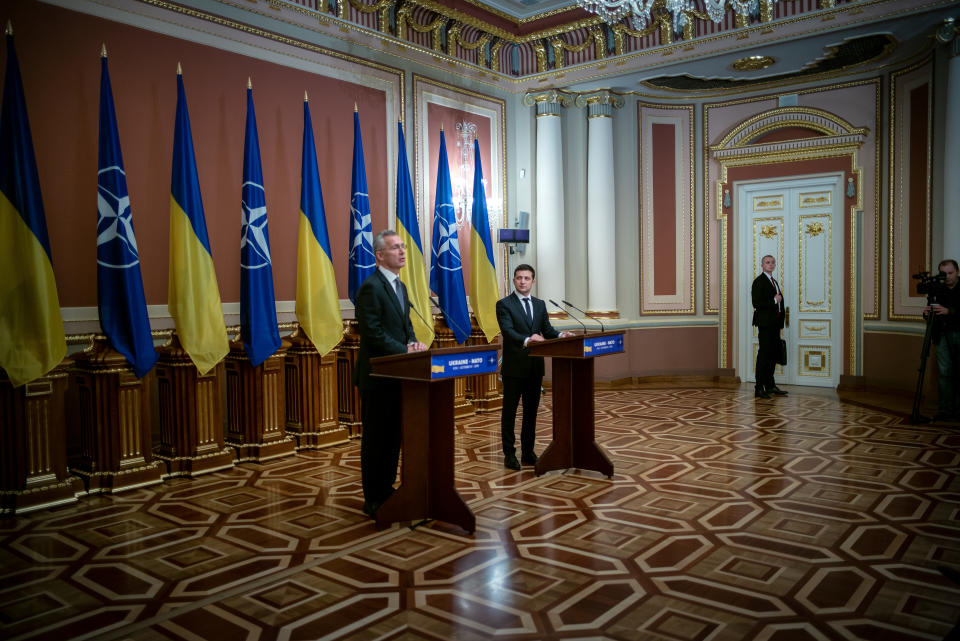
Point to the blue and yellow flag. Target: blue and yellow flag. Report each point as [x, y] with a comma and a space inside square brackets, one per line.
[193, 294]
[414, 273]
[446, 272]
[120, 298]
[32, 341]
[362, 261]
[258, 307]
[483, 271]
[318, 304]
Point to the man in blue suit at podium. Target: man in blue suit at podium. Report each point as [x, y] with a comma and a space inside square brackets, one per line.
[523, 320]
[383, 313]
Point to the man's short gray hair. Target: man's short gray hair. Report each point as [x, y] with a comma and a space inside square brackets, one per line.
[379, 241]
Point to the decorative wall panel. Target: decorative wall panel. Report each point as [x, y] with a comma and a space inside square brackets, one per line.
[910, 148]
[665, 142]
[463, 116]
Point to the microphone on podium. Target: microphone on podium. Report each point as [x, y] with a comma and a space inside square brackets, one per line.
[436, 304]
[584, 313]
[574, 317]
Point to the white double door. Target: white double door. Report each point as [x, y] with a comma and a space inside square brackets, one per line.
[799, 222]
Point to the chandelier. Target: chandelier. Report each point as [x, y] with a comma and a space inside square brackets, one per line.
[639, 11]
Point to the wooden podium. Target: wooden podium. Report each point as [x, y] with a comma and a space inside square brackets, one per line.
[427, 487]
[573, 442]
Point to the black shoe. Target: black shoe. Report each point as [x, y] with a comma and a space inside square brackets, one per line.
[760, 394]
[510, 462]
[370, 507]
[776, 390]
[529, 459]
[944, 416]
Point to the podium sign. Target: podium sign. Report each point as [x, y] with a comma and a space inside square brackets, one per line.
[451, 365]
[427, 488]
[599, 345]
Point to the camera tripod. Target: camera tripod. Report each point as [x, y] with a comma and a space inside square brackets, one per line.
[916, 417]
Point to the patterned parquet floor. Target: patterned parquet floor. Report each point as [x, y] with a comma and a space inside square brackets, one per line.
[726, 519]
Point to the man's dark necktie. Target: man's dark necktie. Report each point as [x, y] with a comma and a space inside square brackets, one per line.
[396, 286]
[776, 288]
[526, 305]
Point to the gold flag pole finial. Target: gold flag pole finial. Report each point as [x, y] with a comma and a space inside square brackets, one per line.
[249, 84]
[354, 107]
[441, 127]
[305, 97]
[103, 50]
[9, 28]
[179, 69]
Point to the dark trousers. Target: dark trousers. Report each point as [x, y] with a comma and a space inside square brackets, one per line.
[513, 390]
[769, 349]
[948, 366]
[381, 415]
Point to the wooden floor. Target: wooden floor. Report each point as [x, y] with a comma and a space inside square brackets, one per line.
[803, 517]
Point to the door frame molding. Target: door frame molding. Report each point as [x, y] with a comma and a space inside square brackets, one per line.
[742, 280]
[833, 146]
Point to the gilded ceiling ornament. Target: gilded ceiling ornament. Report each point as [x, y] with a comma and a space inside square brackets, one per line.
[753, 63]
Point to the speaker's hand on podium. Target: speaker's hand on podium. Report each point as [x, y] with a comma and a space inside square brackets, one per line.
[415, 346]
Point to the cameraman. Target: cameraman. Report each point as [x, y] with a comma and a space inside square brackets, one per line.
[946, 336]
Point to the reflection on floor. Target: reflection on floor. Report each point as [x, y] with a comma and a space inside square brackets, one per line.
[727, 518]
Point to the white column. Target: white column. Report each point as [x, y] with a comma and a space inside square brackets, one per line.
[951, 162]
[548, 217]
[601, 205]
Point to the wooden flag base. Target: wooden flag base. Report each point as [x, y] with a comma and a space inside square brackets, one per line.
[443, 337]
[33, 454]
[311, 388]
[110, 422]
[348, 396]
[256, 416]
[191, 415]
[482, 390]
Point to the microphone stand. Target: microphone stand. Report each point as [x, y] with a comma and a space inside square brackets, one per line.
[574, 317]
[436, 304]
[584, 313]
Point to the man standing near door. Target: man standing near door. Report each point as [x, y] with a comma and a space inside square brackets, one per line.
[768, 318]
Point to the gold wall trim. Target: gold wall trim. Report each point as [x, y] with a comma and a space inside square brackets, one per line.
[691, 160]
[894, 177]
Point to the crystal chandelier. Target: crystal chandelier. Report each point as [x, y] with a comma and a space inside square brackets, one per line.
[639, 11]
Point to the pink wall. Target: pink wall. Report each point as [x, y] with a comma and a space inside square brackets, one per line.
[59, 53]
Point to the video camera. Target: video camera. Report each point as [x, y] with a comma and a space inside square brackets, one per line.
[930, 284]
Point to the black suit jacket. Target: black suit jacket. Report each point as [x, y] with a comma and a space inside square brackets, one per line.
[766, 312]
[515, 328]
[385, 326]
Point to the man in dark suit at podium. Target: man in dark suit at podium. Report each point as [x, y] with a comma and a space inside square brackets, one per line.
[523, 320]
[768, 318]
[383, 313]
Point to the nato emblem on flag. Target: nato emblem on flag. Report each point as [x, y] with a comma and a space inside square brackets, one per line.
[362, 261]
[258, 308]
[446, 271]
[120, 297]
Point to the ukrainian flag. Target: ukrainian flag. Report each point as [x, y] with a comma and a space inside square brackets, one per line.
[414, 273]
[318, 303]
[32, 341]
[483, 271]
[194, 297]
